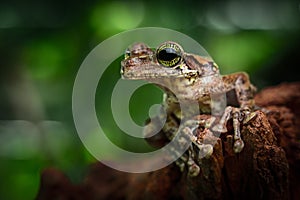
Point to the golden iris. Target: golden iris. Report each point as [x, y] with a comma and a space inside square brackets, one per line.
[169, 54]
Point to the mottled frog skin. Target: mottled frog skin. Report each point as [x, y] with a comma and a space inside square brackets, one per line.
[188, 77]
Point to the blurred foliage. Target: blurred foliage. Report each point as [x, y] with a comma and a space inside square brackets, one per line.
[43, 43]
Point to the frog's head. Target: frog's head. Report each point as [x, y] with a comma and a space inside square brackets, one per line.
[167, 61]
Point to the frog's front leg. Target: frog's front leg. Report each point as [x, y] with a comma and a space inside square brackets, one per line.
[197, 150]
[244, 90]
[187, 160]
[234, 113]
[243, 113]
[188, 133]
[238, 144]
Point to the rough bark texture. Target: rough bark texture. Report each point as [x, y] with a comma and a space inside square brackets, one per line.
[267, 168]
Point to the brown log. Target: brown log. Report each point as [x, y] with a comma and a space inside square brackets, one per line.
[267, 168]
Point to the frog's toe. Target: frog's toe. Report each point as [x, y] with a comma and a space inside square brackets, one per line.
[205, 151]
[238, 146]
[194, 170]
[181, 165]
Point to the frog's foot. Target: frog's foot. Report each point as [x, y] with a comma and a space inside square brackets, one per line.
[237, 115]
[205, 150]
[240, 115]
[196, 151]
[187, 161]
[181, 162]
[238, 145]
[193, 168]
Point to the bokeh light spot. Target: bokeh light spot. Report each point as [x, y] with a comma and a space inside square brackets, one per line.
[117, 16]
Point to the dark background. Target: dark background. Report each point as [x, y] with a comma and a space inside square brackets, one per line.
[43, 43]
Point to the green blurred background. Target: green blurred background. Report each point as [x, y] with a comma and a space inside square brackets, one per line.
[43, 43]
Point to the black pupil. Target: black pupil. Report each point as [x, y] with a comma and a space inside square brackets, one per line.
[167, 54]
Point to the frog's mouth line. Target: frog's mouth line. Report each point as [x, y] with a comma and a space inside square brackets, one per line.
[148, 77]
[152, 71]
[156, 75]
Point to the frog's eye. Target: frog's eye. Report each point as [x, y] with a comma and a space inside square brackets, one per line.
[169, 54]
